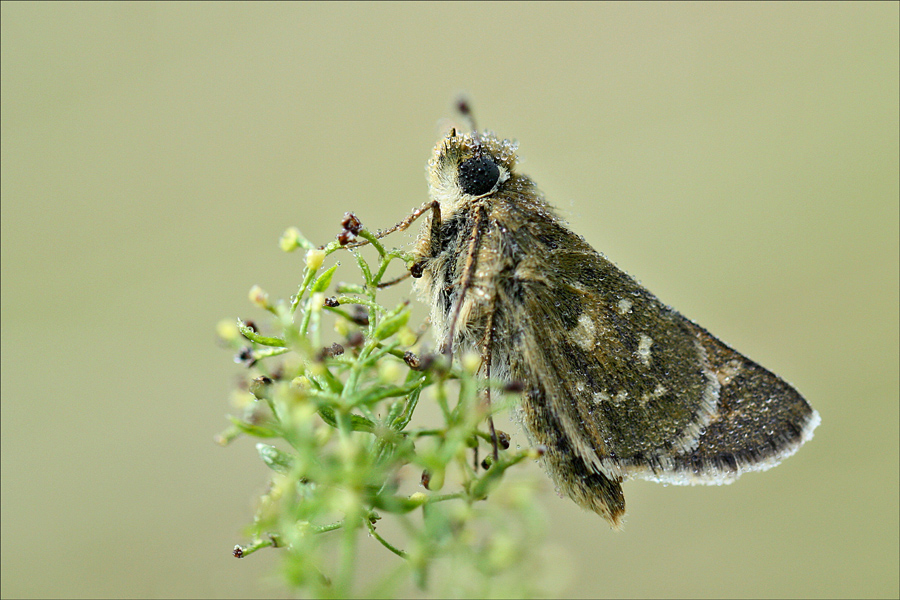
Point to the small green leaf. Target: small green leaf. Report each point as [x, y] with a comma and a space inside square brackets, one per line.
[324, 280]
[391, 324]
[350, 288]
[398, 504]
[357, 423]
[254, 430]
[274, 458]
[250, 334]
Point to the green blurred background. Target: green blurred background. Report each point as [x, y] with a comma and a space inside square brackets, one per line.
[741, 160]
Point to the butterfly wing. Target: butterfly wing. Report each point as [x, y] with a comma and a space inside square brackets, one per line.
[620, 385]
[626, 375]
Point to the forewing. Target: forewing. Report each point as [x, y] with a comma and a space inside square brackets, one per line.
[638, 389]
[626, 376]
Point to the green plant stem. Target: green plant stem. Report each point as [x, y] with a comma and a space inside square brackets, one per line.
[255, 545]
[384, 542]
[364, 267]
[327, 528]
[368, 235]
[308, 276]
[260, 339]
[445, 497]
[377, 308]
[347, 559]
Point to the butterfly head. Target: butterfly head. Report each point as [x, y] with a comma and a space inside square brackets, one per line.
[469, 166]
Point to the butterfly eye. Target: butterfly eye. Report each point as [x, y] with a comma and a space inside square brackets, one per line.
[478, 176]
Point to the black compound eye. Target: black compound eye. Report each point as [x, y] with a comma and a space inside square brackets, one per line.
[478, 175]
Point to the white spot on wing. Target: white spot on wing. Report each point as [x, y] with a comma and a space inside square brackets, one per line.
[601, 397]
[654, 395]
[643, 350]
[585, 332]
[728, 372]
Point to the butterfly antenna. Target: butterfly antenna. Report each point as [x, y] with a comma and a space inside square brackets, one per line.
[465, 110]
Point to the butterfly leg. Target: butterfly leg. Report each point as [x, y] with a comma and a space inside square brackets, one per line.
[466, 280]
[434, 206]
[395, 281]
[486, 361]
